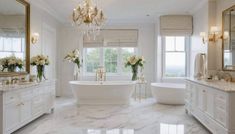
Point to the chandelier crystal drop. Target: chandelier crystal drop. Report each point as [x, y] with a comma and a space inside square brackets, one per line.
[89, 17]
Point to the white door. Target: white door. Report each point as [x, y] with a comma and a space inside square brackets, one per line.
[49, 49]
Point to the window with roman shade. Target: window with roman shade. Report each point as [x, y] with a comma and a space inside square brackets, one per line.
[109, 49]
[176, 25]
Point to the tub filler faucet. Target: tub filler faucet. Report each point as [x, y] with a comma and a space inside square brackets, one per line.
[100, 74]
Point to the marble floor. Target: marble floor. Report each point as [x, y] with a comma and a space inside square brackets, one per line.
[144, 117]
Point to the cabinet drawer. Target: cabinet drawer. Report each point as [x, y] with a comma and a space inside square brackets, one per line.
[221, 96]
[220, 116]
[26, 95]
[37, 91]
[11, 98]
[220, 104]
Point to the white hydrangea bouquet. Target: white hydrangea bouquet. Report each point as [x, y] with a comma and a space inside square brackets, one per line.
[73, 57]
[11, 63]
[135, 62]
[40, 61]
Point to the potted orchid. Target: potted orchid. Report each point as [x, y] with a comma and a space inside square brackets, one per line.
[11, 63]
[40, 61]
[135, 62]
[74, 57]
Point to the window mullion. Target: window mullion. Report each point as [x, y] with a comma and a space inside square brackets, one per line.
[102, 56]
[119, 61]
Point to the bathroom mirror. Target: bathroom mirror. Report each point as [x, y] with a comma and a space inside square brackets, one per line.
[15, 32]
[229, 39]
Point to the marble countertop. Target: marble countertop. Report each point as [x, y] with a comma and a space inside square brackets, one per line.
[7, 88]
[220, 85]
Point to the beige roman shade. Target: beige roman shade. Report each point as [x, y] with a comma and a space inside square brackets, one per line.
[176, 25]
[113, 38]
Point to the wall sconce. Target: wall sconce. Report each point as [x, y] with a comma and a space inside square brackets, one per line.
[34, 38]
[213, 35]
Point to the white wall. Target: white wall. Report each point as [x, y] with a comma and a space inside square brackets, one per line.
[12, 21]
[200, 21]
[41, 22]
[71, 38]
[204, 18]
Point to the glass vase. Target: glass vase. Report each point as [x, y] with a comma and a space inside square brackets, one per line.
[11, 69]
[40, 72]
[134, 72]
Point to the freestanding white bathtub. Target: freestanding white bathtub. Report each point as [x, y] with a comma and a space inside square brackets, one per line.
[107, 92]
[169, 93]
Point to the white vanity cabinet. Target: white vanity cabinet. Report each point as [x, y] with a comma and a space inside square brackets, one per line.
[20, 106]
[212, 104]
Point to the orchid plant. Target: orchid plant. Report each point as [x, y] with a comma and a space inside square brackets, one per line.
[73, 57]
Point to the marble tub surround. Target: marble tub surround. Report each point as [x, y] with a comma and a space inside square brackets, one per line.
[146, 117]
[217, 84]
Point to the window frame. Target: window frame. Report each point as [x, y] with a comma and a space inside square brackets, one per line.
[11, 50]
[187, 58]
[102, 60]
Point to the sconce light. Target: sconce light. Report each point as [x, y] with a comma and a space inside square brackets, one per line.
[34, 38]
[213, 35]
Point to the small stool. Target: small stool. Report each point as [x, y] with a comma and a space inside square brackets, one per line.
[141, 85]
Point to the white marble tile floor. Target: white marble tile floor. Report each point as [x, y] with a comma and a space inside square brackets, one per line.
[146, 117]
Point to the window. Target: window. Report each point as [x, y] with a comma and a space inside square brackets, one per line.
[112, 58]
[174, 56]
[12, 46]
[92, 59]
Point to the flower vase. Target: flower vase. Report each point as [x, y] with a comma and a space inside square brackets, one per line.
[134, 72]
[11, 68]
[40, 72]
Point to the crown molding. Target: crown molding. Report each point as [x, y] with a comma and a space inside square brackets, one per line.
[45, 7]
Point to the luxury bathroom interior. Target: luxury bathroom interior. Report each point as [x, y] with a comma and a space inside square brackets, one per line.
[117, 67]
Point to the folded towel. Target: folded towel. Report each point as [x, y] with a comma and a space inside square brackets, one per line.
[200, 65]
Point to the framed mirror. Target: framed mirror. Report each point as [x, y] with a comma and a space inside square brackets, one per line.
[14, 36]
[228, 29]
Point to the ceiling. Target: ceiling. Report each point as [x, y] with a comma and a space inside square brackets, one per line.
[11, 7]
[127, 10]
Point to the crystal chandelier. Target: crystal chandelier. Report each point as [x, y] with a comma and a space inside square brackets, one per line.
[88, 16]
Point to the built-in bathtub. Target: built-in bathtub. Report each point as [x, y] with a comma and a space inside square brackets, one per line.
[107, 92]
[169, 93]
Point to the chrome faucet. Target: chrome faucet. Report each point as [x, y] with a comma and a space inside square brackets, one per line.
[100, 74]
